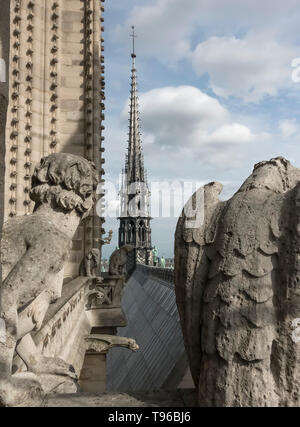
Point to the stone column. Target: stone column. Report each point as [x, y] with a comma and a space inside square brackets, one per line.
[4, 61]
[93, 374]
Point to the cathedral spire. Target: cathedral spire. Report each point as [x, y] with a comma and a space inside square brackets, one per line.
[134, 163]
[135, 216]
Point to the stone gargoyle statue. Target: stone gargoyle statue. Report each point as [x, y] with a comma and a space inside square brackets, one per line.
[103, 343]
[107, 239]
[118, 260]
[90, 263]
[237, 277]
[34, 249]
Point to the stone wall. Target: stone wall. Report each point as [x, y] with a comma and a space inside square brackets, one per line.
[4, 60]
[93, 375]
[56, 99]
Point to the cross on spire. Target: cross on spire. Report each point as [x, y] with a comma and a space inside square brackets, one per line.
[134, 36]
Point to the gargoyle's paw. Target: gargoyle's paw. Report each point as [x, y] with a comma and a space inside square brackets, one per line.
[20, 392]
[37, 316]
[57, 366]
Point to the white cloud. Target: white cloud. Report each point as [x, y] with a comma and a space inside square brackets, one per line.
[165, 26]
[288, 127]
[205, 32]
[162, 26]
[184, 121]
[181, 106]
[234, 133]
[249, 68]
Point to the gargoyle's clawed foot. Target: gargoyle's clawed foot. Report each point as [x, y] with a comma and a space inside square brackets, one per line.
[56, 366]
[37, 315]
[20, 392]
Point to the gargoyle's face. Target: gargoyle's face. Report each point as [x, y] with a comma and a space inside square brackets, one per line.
[133, 345]
[87, 192]
[68, 180]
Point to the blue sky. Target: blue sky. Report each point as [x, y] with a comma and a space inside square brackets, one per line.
[216, 91]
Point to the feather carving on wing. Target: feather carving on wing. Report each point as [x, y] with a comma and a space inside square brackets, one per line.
[233, 273]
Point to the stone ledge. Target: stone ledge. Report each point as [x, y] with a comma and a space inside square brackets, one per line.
[178, 398]
[68, 291]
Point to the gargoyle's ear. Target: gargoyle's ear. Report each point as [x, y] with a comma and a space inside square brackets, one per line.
[73, 176]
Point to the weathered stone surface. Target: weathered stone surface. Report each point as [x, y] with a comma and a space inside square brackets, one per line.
[158, 398]
[118, 260]
[90, 263]
[93, 376]
[22, 390]
[58, 384]
[94, 400]
[33, 252]
[237, 284]
[4, 59]
[102, 343]
[53, 105]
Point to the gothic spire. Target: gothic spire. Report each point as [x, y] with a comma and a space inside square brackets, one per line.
[135, 216]
[134, 162]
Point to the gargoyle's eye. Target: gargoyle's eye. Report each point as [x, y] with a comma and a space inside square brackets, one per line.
[86, 190]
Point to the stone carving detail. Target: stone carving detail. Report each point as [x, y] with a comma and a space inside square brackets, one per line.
[237, 287]
[102, 343]
[34, 249]
[105, 292]
[14, 102]
[54, 61]
[28, 102]
[107, 240]
[90, 263]
[100, 294]
[67, 311]
[118, 260]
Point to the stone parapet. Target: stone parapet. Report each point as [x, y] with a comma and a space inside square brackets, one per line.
[165, 274]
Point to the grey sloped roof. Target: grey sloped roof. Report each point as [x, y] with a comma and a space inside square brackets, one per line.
[153, 321]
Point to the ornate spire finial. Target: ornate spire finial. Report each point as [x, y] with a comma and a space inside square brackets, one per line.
[134, 36]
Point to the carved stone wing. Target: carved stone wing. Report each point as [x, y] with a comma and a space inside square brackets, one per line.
[196, 230]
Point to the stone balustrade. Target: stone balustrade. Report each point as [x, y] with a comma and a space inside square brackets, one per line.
[165, 274]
